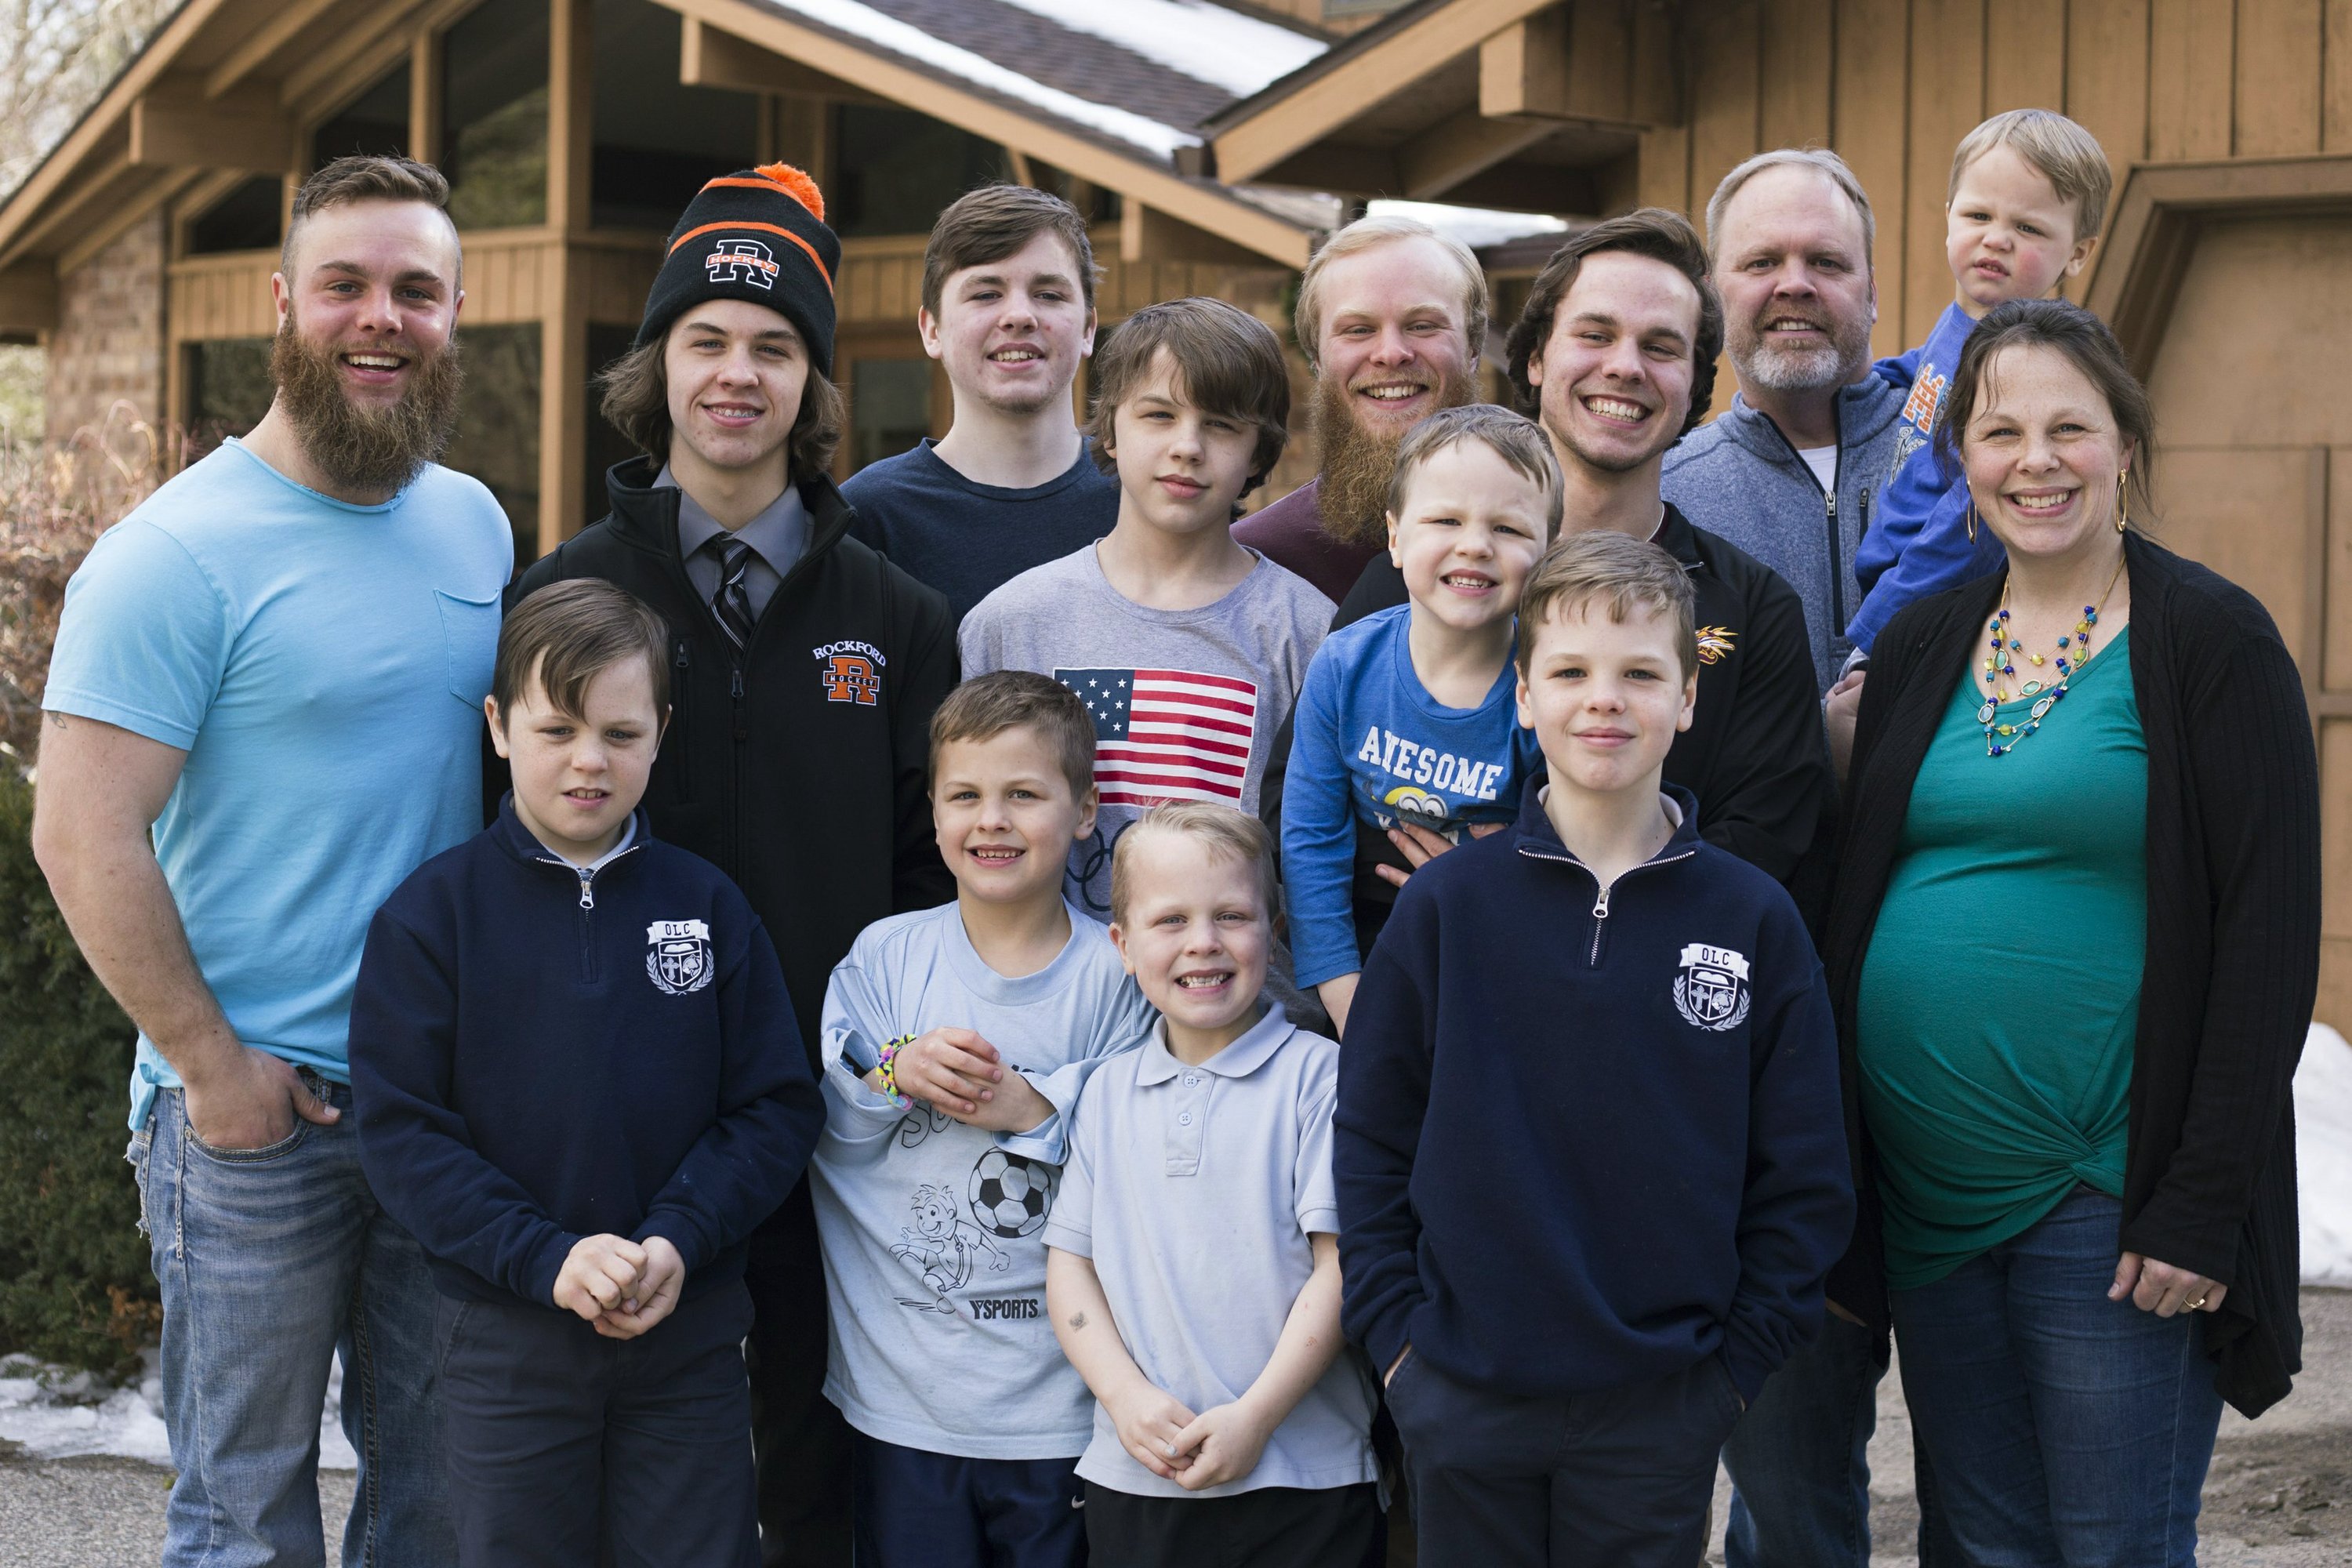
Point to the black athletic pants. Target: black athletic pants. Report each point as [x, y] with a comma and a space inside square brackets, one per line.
[1272, 1527]
[801, 1441]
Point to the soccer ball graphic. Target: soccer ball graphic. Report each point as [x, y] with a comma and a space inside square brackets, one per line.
[1009, 1194]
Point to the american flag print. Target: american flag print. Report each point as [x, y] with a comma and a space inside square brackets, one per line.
[1166, 734]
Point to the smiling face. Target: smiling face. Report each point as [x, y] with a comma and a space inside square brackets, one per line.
[1181, 468]
[733, 373]
[1012, 333]
[373, 284]
[1195, 932]
[577, 776]
[1395, 337]
[1793, 268]
[2043, 456]
[1004, 815]
[1472, 529]
[1614, 380]
[1605, 697]
[2009, 234]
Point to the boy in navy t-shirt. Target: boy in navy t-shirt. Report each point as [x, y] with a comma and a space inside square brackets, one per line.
[1407, 725]
[1590, 1146]
[1009, 312]
[580, 1085]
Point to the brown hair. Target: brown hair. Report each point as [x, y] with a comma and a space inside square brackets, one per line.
[992, 223]
[2067, 329]
[1516, 439]
[1622, 573]
[987, 705]
[1369, 233]
[1227, 362]
[569, 633]
[1653, 232]
[2059, 150]
[635, 400]
[366, 177]
[1220, 827]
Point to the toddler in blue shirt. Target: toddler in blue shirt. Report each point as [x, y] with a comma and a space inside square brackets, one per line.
[1406, 723]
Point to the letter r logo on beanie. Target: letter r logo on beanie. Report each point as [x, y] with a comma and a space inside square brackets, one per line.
[756, 234]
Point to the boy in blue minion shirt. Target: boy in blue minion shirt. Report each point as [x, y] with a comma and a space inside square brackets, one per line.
[1406, 723]
[580, 1088]
[2028, 193]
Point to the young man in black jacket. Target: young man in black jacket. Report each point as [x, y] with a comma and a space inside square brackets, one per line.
[1616, 349]
[803, 672]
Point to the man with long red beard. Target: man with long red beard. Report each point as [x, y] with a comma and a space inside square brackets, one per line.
[1390, 317]
[263, 713]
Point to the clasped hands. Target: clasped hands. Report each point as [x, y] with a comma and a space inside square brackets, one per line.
[964, 1076]
[1220, 1444]
[622, 1287]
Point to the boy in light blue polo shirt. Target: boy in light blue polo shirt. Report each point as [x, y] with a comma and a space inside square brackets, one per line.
[1193, 1276]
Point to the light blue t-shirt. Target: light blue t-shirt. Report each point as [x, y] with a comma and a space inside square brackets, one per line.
[323, 666]
[1371, 745]
[931, 1230]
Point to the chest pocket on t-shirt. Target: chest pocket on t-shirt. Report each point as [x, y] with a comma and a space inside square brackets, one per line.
[470, 631]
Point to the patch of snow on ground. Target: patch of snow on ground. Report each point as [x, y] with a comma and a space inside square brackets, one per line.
[1473, 226]
[900, 38]
[1208, 43]
[55, 1415]
[2322, 1138]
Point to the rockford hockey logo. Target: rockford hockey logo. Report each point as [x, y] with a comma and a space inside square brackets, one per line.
[680, 960]
[852, 672]
[742, 261]
[1711, 993]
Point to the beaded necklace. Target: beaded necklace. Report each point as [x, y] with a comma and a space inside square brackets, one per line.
[2073, 653]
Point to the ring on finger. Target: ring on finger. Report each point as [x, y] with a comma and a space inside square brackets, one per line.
[2198, 1304]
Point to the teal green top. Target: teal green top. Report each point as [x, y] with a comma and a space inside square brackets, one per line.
[2001, 990]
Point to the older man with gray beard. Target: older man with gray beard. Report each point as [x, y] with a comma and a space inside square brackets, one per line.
[1789, 471]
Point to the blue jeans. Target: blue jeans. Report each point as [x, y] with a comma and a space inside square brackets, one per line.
[1800, 1458]
[2066, 1430]
[271, 1261]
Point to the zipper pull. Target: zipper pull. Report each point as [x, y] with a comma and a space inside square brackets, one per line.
[1601, 905]
[587, 889]
[735, 685]
[683, 659]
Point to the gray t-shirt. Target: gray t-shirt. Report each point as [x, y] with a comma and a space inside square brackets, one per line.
[1194, 1190]
[1186, 703]
[930, 1229]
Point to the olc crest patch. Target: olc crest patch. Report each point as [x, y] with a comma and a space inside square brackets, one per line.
[1711, 992]
[678, 956]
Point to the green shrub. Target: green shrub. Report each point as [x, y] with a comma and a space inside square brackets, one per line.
[74, 1280]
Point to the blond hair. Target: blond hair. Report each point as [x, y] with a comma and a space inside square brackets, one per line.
[2061, 151]
[1621, 574]
[1514, 437]
[987, 705]
[1821, 162]
[1224, 830]
[1369, 234]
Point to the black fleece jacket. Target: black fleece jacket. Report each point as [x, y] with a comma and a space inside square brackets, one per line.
[799, 768]
[2232, 961]
[1755, 755]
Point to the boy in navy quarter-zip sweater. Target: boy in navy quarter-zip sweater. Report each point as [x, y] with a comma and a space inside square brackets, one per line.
[580, 1084]
[1590, 1148]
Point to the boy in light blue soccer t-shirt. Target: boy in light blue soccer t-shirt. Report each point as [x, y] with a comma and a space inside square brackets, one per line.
[1407, 723]
[956, 1042]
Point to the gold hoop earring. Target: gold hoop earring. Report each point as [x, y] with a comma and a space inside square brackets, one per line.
[1971, 521]
[2123, 517]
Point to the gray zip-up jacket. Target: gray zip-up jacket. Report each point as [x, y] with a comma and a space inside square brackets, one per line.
[1739, 478]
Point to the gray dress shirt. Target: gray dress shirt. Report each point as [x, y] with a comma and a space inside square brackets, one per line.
[779, 537]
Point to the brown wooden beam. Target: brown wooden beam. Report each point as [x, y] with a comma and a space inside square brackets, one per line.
[1461, 148]
[175, 125]
[1340, 168]
[1556, 188]
[28, 297]
[712, 56]
[274, 34]
[563, 325]
[424, 96]
[1147, 233]
[1595, 59]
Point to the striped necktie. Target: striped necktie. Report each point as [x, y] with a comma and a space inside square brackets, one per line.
[732, 602]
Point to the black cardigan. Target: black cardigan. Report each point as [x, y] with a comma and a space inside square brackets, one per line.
[2232, 961]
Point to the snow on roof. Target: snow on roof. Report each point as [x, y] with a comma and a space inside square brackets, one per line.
[900, 38]
[1209, 43]
[1476, 228]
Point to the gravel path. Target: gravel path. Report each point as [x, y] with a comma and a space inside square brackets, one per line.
[2280, 1494]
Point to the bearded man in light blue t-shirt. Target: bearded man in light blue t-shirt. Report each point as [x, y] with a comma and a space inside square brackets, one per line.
[263, 713]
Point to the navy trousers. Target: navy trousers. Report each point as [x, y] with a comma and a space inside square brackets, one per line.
[568, 1448]
[912, 1509]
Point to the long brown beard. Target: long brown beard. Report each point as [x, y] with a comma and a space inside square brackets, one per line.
[1351, 491]
[365, 449]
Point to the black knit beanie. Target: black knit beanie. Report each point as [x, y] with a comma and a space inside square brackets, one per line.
[758, 235]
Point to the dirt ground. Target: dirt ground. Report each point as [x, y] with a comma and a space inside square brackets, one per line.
[2279, 1496]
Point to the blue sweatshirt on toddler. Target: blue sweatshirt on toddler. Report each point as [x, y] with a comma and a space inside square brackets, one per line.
[1371, 747]
[1918, 541]
[542, 1052]
[1586, 1137]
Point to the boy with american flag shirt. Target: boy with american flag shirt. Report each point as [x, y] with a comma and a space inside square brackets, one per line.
[1187, 647]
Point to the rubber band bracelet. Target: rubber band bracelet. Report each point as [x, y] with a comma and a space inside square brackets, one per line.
[888, 1067]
